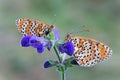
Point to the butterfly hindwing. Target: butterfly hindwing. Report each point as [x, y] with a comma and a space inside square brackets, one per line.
[33, 27]
[89, 52]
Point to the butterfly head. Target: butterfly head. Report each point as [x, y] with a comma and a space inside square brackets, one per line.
[50, 29]
[67, 37]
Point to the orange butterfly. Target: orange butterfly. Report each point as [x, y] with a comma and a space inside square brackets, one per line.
[89, 52]
[33, 27]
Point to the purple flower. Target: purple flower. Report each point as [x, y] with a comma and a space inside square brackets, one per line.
[50, 63]
[25, 41]
[67, 48]
[40, 48]
[35, 41]
[49, 45]
[47, 64]
[56, 34]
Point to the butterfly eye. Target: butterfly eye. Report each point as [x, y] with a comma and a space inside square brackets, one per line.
[52, 27]
[67, 38]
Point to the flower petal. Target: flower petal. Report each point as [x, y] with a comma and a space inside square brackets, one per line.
[61, 49]
[67, 48]
[25, 41]
[49, 45]
[50, 63]
[47, 64]
[57, 34]
[40, 48]
[35, 41]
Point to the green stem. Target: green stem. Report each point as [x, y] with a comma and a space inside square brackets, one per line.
[56, 51]
[62, 67]
[62, 73]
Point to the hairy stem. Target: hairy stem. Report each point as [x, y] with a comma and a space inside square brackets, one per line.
[62, 66]
[62, 73]
[56, 51]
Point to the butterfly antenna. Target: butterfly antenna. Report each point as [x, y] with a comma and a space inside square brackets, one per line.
[54, 21]
[80, 31]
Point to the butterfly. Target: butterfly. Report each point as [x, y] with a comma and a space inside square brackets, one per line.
[33, 27]
[88, 52]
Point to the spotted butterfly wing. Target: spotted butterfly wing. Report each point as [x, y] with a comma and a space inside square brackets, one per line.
[33, 27]
[89, 52]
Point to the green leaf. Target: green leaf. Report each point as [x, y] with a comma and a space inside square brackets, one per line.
[59, 68]
[58, 43]
[51, 36]
[53, 63]
[70, 59]
[68, 62]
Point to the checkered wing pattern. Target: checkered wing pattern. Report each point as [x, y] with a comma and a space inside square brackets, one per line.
[33, 27]
[89, 52]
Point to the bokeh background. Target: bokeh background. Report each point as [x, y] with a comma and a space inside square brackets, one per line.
[101, 17]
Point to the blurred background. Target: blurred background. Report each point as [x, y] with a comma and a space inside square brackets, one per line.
[101, 17]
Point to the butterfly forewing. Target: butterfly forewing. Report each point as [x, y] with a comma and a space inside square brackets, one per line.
[89, 52]
[33, 27]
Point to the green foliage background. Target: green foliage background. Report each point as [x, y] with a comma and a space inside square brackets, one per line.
[101, 17]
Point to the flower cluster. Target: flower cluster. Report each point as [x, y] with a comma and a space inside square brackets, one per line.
[51, 41]
[67, 48]
[34, 41]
